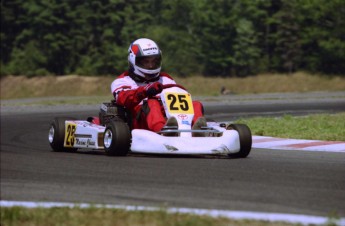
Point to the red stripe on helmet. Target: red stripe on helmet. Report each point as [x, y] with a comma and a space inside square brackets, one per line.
[135, 49]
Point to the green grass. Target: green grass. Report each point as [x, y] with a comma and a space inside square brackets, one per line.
[13, 87]
[315, 127]
[18, 216]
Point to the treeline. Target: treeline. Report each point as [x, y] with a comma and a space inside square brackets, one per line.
[208, 37]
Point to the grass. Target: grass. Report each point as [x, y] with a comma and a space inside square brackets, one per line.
[314, 127]
[13, 87]
[102, 216]
[265, 83]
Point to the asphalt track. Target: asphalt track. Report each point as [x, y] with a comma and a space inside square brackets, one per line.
[274, 181]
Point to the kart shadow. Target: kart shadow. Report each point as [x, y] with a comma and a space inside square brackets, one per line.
[152, 155]
[90, 152]
[178, 156]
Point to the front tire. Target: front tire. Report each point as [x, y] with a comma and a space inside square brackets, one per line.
[56, 135]
[245, 137]
[117, 138]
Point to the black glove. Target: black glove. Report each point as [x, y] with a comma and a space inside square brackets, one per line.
[153, 89]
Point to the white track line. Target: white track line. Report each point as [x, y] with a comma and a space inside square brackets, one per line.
[298, 144]
[237, 215]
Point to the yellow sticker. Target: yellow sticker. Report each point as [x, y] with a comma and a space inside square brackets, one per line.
[179, 103]
[70, 134]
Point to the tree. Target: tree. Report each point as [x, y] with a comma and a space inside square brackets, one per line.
[174, 32]
[287, 40]
[246, 50]
[323, 36]
[210, 37]
[11, 26]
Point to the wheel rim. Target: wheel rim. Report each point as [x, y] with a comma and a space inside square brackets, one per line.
[108, 137]
[51, 134]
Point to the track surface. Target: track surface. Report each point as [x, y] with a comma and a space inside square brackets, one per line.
[267, 181]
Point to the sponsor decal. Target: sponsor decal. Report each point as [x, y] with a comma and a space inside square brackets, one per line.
[84, 142]
[182, 116]
[152, 48]
[90, 142]
[185, 122]
[81, 142]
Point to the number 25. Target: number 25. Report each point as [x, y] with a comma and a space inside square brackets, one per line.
[181, 99]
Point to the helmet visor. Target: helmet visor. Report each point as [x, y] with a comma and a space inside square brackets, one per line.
[149, 62]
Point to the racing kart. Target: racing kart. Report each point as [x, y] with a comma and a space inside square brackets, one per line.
[111, 132]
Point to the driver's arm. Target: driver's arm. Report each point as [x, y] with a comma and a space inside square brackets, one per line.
[130, 97]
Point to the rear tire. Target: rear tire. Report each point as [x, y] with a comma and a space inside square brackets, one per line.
[245, 137]
[56, 135]
[117, 138]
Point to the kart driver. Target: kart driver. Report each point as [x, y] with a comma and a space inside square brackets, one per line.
[137, 90]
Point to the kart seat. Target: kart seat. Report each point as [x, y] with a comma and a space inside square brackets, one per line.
[94, 120]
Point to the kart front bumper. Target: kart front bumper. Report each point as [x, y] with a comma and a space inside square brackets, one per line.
[144, 141]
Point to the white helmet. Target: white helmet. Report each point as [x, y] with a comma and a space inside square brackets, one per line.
[144, 58]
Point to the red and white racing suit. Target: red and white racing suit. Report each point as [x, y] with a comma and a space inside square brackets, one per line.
[131, 95]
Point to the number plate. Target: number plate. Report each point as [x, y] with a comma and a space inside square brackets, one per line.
[70, 129]
[179, 103]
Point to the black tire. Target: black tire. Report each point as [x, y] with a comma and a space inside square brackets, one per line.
[56, 135]
[117, 138]
[245, 140]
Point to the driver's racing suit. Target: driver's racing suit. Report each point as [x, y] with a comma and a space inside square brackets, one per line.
[146, 113]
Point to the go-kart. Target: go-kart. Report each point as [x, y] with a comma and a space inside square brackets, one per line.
[111, 132]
